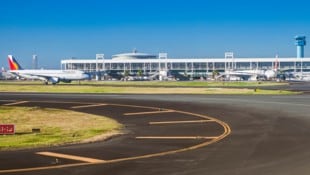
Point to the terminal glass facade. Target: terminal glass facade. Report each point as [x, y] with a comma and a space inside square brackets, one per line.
[190, 66]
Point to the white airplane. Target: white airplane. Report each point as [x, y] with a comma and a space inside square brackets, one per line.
[255, 74]
[252, 74]
[54, 76]
[4, 75]
[298, 76]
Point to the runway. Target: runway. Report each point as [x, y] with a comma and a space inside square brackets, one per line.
[176, 134]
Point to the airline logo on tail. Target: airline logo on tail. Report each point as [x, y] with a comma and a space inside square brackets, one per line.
[13, 63]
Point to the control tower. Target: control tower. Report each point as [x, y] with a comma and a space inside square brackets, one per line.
[300, 43]
[34, 62]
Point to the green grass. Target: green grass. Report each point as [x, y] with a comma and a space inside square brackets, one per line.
[150, 87]
[57, 127]
[181, 83]
[161, 83]
[134, 90]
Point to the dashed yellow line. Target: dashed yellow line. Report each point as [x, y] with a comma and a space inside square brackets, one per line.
[15, 103]
[87, 106]
[71, 157]
[149, 112]
[180, 122]
[176, 137]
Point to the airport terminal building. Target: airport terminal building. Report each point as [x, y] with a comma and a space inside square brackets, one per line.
[149, 64]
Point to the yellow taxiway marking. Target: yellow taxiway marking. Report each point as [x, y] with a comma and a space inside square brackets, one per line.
[67, 156]
[176, 137]
[87, 106]
[15, 103]
[134, 106]
[150, 112]
[180, 122]
[211, 140]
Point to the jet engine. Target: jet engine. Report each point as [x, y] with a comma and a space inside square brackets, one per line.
[270, 74]
[54, 80]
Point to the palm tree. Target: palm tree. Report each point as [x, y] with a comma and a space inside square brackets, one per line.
[215, 73]
[140, 73]
[126, 73]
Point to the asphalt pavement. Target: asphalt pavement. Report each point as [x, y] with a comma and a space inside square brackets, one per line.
[176, 134]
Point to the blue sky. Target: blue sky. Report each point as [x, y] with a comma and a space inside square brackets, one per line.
[58, 29]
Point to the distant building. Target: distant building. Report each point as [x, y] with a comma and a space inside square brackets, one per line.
[136, 62]
[133, 55]
[146, 63]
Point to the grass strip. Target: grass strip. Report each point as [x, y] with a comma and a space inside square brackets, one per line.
[56, 127]
[134, 90]
[163, 83]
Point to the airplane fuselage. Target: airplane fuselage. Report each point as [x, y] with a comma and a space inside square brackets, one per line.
[53, 76]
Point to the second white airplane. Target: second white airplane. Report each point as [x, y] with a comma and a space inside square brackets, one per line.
[53, 76]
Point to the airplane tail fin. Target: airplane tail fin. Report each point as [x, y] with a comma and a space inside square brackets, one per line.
[13, 63]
